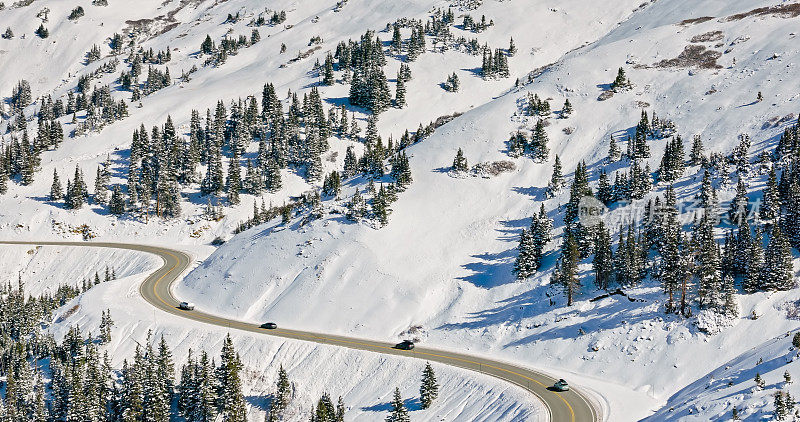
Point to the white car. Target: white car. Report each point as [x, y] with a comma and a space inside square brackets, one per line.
[186, 306]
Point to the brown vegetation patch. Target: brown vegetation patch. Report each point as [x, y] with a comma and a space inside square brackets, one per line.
[708, 37]
[786, 11]
[693, 56]
[695, 21]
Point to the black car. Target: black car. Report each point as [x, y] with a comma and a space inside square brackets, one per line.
[405, 345]
[269, 325]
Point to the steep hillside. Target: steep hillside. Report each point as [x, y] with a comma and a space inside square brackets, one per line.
[437, 263]
[442, 267]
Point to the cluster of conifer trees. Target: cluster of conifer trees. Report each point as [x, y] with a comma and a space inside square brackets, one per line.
[675, 240]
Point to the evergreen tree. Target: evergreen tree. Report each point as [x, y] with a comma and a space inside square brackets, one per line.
[234, 177]
[603, 262]
[614, 153]
[527, 261]
[696, 155]
[621, 82]
[566, 274]
[557, 179]
[752, 279]
[538, 144]
[770, 206]
[282, 397]
[778, 273]
[400, 92]
[328, 78]
[460, 162]
[230, 401]
[566, 110]
[56, 191]
[429, 389]
[399, 412]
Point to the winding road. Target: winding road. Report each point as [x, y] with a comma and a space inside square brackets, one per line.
[570, 406]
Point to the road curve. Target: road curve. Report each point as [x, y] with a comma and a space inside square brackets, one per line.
[570, 406]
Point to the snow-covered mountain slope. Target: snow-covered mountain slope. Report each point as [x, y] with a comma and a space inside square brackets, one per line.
[44, 268]
[560, 29]
[364, 380]
[442, 267]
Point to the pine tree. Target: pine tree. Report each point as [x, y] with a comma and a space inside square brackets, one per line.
[621, 82]
[770, 207]
[527, 262]
[696, 155]
[399, 412]
[567, 273]
[739, 208]
[56, 192]
[538, 144]
[557, 179]
[429, 389]
[605, 192]
[101, 180]
[400, 92]
[282, 397]
[614, 153]
[787, 377]
[777, 273]
[460, 162]
[231, 403]
[328, 78]
[234, 177]
[566, 110]
[760, 384]
[752, 279]
[603, 262]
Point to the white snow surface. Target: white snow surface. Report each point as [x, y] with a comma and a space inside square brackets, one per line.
[443, 264]
[365, 380]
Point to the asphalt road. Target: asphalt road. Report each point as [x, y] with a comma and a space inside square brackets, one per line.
[570, 406]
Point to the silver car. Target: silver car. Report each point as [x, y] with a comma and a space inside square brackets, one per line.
[561, 385]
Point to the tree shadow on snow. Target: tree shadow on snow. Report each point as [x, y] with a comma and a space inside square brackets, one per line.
[412, 404]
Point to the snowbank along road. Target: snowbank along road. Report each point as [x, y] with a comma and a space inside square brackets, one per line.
[569, 406]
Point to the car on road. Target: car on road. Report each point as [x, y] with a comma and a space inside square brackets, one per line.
[269, 325]
[561, 385]
[186, 306]
[405, 345]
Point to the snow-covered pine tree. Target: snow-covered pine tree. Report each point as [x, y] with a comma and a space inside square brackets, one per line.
[777, 273]
[621, 82]
[399, 413]
[603, 262]
[526, 263]
[605, 192]
[328, 76]
[117, 204]
[770, 205]
[460, 162]
[567, 273]
[566, 110]
[400, 92]
[696, 155]
[230, 402]
[614, 153]
[557, 178]
[740, 205]
[429, 388]
[56, 191]
[538, 144]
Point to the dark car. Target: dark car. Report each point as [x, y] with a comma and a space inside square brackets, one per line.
[269, 325]
[405, 345]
